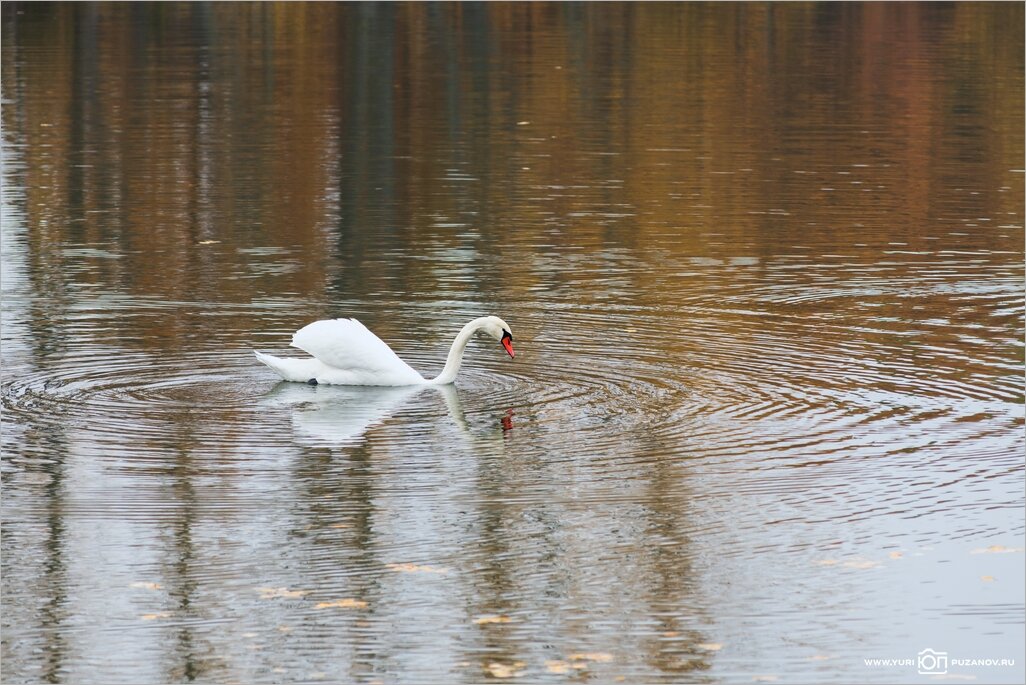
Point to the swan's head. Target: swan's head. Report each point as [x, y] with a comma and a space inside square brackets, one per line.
[499, 329]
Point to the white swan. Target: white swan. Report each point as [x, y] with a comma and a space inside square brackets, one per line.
[346, 353]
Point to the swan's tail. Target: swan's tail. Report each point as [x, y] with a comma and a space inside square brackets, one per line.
[298, 370]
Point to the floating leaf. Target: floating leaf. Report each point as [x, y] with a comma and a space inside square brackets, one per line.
[347, 603]
[895, 555]
[146, 586]
[414, 568]
[557, 666]
[710, 646]
[857, 562]
[861, 563]
[499, 618]
[671, 633]
[155, 615]
[600, 657]
[276, 592]
[987, 579]
[953, 676]
[996, 549]
[499, 670]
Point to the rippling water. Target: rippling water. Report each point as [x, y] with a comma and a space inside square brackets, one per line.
[764, 269]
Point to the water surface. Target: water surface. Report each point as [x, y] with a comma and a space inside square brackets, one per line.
[764, 269]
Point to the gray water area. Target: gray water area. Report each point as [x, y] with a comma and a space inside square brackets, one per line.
[764, 270]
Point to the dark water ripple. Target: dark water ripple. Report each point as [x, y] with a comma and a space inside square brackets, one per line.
[640, 387]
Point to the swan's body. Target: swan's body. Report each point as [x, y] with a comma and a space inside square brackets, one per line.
[344, 352]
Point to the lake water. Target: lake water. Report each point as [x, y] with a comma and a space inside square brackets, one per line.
[764, 270]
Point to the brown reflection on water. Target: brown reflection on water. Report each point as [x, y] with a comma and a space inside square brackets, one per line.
[758, 255]
[154, 130]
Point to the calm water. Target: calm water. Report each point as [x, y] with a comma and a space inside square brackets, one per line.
[764, 269]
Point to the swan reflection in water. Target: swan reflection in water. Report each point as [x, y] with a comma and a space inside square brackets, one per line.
[340, 415]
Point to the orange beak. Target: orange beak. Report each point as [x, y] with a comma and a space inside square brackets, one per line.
[507, 342]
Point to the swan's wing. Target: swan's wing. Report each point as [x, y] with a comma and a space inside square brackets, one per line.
[346, 344]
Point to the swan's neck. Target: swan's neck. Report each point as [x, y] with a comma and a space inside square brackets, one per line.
[455, 358]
